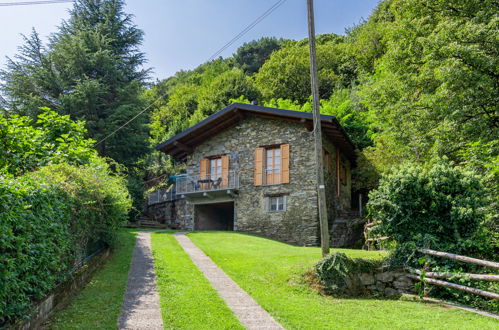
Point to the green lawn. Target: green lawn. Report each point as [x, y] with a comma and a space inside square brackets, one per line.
[271, 272]
[187, 299]
[98, 305]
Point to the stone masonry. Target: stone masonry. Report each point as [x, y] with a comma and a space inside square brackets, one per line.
[298, 224]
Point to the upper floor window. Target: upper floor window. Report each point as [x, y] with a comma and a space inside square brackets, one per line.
[215, 168]
[273, 166]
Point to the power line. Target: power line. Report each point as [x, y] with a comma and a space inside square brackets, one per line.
[30, 3]
[129, 121]
[243, 32]
[248, 28]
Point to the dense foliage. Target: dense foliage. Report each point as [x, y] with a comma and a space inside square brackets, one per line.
[49, 220]
[437, 207]
[440, 207]
[26, 144]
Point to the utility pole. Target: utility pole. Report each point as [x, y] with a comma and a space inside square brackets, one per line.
[321, 188]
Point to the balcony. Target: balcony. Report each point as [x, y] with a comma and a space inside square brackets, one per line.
[207, 185]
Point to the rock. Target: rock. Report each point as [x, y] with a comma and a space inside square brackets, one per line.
[380, 286]
[366, 279]
[403, 283]
[385, 277]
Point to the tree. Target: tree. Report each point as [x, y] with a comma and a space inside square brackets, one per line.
[436, 88]
[252, 55]
[286, 74]
[90, 70]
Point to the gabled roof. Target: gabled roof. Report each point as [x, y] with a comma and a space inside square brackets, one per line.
[184, 143]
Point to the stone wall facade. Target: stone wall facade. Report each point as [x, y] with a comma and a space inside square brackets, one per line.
[171, 213]
[298, 224]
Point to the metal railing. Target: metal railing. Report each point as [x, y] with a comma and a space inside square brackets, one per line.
[208, 182]
[161, 195]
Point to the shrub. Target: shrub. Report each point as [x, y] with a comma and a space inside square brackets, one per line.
[26, 144]
[437, 207]
[49, 219]
[440, 207]
[335, 271]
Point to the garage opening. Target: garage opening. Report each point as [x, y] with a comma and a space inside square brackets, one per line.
[216, 216]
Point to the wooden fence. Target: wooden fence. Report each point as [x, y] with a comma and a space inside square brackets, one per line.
[433, 277]
[373, 241]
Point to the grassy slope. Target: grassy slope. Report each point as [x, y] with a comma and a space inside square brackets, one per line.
[98, 305]
[271, 273]
[187, 299]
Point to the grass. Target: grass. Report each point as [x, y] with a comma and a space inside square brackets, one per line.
[271, 272]
[98, 305]
[187, 299]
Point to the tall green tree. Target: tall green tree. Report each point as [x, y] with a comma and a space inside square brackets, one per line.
[286, 74]
[436, 88]
[92, 69]
[252, 55]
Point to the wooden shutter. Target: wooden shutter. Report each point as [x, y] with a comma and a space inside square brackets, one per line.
[258, 177]
[285, 163]
[323, 158]
[203, 168]
[204, 165]
[225, 171]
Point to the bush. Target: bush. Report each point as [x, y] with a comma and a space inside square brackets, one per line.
[438, 207]
[49, 219]
[26, 144]
[336, 269]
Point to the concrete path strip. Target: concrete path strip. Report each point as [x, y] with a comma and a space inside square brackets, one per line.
[250, 314]
[141, 308]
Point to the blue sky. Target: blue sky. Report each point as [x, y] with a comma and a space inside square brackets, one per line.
[181, 34]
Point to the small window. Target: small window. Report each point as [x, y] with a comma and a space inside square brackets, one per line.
[277, 203]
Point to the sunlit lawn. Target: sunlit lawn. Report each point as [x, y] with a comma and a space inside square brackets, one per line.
[271, 272]
[187, 299]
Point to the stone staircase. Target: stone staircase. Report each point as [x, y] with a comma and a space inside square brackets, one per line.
[146, 222]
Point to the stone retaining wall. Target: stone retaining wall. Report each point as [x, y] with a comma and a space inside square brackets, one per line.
[61, 296]
[388, 282]
[170, 213]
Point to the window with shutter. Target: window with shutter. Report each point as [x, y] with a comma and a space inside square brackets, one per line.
[272, 165]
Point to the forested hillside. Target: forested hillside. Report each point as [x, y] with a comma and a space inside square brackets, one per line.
[416, 81]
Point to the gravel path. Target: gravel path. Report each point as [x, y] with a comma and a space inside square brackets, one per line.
[250, 314]
[140, 308]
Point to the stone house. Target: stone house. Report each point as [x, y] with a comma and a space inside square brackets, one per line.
[251, 169]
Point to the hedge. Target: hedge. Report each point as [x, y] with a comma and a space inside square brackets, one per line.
[49, 220]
